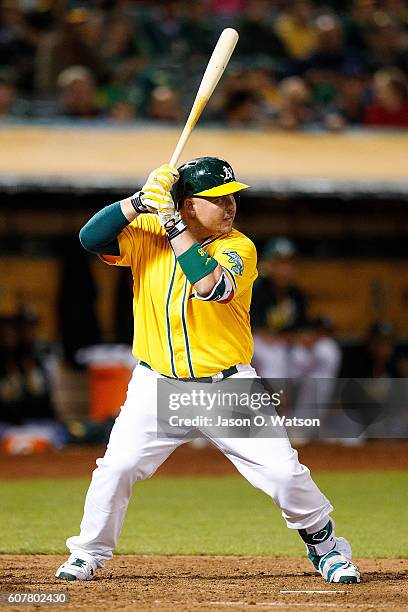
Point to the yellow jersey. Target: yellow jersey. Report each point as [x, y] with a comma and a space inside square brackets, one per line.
[177, 334]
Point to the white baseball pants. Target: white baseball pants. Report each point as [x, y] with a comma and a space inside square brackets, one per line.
[134, 453]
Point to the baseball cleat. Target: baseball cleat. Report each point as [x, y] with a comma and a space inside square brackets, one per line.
[76, 569]
[336, 566]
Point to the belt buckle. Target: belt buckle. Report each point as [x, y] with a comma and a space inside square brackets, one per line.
[218, 376]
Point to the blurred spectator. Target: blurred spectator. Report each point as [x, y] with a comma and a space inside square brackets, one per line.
[314, 359]
[390, 106]
[18, 42]
[277, 300]
[398, 9]
[25, 378]
[121, 94]
[79, 94]
[242, 109]
[95, 28]
[120, 102]
[295, 108]
[198, 33]
[7, 98]
[121, 111]
[69, 45]
[261, 80]
[165, 29]
[296, 28]
[259, 105]
[388, 43]
[228, 8]
[277, 305]
[315, 354]
[331, 58]
[349, 107]
[358, 25]
[77, 319]
[256, 32]
[11, 385]
[165, 105]
[35, 367]
[373, 404]
[329, 55]
[123, 56]
[377, 358]
[271, 355]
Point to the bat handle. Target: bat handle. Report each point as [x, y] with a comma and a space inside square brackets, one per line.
[185, 134]
[195, 113]
[179, 149]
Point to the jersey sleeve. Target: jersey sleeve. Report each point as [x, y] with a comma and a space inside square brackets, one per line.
[131, 241]
[237, 256]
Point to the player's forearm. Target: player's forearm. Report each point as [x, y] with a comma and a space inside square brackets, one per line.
[99, 234]
[128, 209]
[181, 245]
[205, 286]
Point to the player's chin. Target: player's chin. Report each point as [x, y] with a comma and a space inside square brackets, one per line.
[226, 226]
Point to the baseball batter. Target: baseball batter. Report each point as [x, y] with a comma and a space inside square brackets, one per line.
[193, 275]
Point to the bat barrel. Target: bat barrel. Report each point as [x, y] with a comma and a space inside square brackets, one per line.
[215, 68]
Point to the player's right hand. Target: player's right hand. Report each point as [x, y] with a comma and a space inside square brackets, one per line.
[155, 194]
[165, 175]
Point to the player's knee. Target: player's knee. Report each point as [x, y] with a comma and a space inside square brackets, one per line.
[286, 473]
[126, 467]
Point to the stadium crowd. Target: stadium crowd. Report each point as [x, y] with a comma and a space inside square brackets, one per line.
[299, 64]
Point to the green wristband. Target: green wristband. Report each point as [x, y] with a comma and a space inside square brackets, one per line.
[196, 263]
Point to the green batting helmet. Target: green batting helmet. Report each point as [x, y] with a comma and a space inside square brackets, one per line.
[205, 176]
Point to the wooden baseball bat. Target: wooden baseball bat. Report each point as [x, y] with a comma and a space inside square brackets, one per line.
[215, 68]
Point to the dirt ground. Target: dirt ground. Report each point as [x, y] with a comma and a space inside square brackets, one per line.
[209, 583]
[77, 461]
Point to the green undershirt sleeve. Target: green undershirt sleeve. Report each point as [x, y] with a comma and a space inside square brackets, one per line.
[99, 234]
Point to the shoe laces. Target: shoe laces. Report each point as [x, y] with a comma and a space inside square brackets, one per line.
[79, 562]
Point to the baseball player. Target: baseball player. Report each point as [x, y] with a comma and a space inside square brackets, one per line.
[193, 275]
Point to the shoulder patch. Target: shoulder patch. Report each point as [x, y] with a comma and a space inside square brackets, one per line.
[235, 259]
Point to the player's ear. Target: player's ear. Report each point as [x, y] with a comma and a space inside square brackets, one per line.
[188, 207]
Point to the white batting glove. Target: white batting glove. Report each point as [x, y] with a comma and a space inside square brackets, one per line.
[155, 196]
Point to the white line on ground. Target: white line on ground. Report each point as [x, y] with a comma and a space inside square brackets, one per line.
[276, 604]
[318, 592]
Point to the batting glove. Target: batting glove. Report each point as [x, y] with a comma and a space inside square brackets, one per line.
[155, 196]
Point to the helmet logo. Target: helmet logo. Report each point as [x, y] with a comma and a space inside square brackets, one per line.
[228, 175]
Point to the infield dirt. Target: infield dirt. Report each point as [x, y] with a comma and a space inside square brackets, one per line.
[209, 583]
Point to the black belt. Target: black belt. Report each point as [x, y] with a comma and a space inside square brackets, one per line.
[207, 379]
